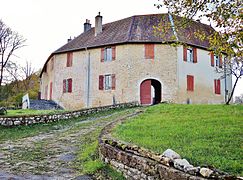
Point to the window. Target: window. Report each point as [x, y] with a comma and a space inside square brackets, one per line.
[108, 54]
[69, 59]
[190, 54]
[216, 60]
[190, 83]
[67, 85]
[107, 82]
[217, 86]
[149, 51]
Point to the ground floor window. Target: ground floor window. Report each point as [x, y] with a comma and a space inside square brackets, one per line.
[217, 86]
[67, 85]
[107, 82]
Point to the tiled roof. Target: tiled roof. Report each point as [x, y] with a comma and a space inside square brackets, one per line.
[137, 29]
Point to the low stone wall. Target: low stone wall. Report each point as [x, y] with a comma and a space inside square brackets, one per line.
[138, 163]
[10, 121]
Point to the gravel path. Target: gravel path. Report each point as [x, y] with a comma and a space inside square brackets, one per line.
[50, 155]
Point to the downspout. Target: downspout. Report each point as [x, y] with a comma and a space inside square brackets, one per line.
[88, 79]
[225, 84]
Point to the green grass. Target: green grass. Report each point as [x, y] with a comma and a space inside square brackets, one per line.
[203, 134]
[23, 112]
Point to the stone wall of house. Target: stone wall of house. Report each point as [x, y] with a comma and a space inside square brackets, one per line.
[10, 121]
[137, 163]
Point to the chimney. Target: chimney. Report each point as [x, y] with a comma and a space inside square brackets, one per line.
[98, 24]
[87, 25]
[69, 39]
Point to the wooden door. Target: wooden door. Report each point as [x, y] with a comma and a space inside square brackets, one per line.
[145, 92]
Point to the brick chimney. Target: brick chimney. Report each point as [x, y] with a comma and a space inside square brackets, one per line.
[69, 39]
[87, 25]
[98, 24]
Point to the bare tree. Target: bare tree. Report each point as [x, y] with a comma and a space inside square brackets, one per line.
[10, 41]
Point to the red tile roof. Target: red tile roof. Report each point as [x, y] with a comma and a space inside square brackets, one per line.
[137, 29]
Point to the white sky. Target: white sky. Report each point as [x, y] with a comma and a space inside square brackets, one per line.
[47, 24]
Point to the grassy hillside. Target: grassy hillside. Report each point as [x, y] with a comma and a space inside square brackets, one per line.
[203, 134]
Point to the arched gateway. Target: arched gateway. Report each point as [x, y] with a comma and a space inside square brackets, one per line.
[150, 92]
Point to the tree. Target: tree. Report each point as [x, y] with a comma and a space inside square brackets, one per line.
[225, 16]
[10, 41]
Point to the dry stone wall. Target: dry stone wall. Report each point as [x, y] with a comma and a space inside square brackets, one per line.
[138, 163]
[10, 121]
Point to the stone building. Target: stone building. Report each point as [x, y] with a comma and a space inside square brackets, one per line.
[128, 60]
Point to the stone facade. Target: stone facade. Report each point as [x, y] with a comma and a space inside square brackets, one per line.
[10, 121]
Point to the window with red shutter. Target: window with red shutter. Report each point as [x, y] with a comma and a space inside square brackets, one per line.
[212, 59]
[70, 83]
[69, 59]
[220, 61]
[190, 83]
[113, 79]
[217, 88]
[194, 55]
[149, 51]
[102, 54]
[101, 82]
[113, 53]
[184, 53]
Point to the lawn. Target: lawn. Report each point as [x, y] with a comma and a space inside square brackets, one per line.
[203, 134]
[21, 112]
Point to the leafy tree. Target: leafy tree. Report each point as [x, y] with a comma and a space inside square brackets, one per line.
[225, 16]
[10, 41]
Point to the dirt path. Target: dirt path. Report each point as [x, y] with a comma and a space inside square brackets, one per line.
[51, 155]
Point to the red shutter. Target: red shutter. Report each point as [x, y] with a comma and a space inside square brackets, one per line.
[101, 82]
[212, 58]
[149, 51]
[184, 53]
[220, 61]
[113, 79]
[69, 59]
[190, 83]
[64, 85]
[70, 82]
[50, 90]
[194, 55]
[218, 87]
[102, 54]
[113, 53]
[215, 86]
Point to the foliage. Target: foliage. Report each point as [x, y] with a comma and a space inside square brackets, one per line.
[203, 134]
[225, 16]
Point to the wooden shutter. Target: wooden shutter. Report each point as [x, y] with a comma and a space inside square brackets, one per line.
[70, 82]
[184, 53]
[69, 59]
[113, 53]
[64, 85]
[218, 86]
[149, 51]
[194, 55]
[102, 57]
[50, 90]
[113, 80]
[220, 61]
[101, 82]
[190, 83]
[212, 59]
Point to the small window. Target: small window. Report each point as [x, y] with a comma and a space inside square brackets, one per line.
[108, 54]
[216, 58]
[149, 51]
[189, 55]
[190, 83]
[217, 86]
[108, 82]
[67, 85]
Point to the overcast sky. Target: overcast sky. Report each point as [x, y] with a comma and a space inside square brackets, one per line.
[47, 24]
